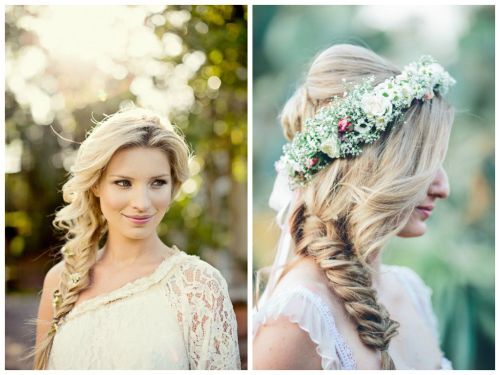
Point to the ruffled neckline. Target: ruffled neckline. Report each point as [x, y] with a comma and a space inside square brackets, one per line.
[323, 332]
[308, 310]
[132, 287]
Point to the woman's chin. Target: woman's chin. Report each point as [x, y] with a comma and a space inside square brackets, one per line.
[414, 228]
[137, 234]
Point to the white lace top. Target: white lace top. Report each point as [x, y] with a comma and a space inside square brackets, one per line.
[178, 317]
[312, 314]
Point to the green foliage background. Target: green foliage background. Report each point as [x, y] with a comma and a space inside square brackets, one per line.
[210, 217]
[456, 257]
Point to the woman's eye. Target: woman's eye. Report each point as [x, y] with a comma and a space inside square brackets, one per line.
[158, 183]
[122, 183]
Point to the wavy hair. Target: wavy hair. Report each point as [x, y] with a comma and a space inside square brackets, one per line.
[81, 219]
[347, 213]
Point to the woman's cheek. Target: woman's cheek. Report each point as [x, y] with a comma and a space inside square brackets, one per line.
[162, 199]
[114, 200]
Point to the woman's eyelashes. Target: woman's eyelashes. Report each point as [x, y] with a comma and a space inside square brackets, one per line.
[127, 183]
[122, 183]
[159, 182]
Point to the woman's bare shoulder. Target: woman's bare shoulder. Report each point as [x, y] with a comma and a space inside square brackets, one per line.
[53, 276]
[284, 339]
[281, 345]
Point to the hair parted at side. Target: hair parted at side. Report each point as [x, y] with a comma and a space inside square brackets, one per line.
[345, 215]
[81, 219]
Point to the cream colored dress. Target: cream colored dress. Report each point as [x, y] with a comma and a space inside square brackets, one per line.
[312, 314]
[178, 317]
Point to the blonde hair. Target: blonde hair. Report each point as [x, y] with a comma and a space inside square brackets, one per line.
[348, 212]
[82, 219]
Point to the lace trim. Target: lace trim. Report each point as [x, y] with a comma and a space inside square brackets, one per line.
[130, 288]
[323, 334]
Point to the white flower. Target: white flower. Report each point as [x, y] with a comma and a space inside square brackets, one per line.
[293, 167]
[381, 122]
[74, 278]
[385, 89]
[362, 127]
[436, 69]
[331, 147]
[407, 93]
[376, 105]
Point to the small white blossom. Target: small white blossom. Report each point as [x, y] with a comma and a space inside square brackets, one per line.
[406, 94]
[331, 147]
[74, 278]
[362, 127]
[436, 70]
[381, 122]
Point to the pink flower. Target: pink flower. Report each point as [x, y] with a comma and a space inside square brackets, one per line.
[429, 95]
[312, 162]
[343, 124]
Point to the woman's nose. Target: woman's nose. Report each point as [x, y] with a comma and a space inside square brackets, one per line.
[440, 187]
[141, 199]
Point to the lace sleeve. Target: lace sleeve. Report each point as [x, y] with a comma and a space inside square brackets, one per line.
[207, 317]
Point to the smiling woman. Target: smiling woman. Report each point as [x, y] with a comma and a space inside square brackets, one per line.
[135, 191]
[134, 303]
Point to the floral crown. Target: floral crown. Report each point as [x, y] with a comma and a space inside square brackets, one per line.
[359, 117]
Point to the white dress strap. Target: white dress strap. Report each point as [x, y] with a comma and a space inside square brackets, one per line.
[420, 295]
[311, 314]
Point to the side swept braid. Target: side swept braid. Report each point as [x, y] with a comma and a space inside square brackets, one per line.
[349, 279]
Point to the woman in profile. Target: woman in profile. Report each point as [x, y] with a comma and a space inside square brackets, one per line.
[364, 163]
[134, 303]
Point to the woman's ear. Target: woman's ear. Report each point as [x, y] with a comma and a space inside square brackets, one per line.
[95, 190]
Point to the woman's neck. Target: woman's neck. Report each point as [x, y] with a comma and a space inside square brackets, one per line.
[121, 251]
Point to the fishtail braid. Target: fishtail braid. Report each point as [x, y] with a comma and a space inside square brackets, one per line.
[327, 242]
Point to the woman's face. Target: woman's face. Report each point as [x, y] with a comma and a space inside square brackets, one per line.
[135, 191]
[439, 189]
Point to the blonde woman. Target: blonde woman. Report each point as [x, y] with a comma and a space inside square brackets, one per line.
[364, 164]
[134, 303]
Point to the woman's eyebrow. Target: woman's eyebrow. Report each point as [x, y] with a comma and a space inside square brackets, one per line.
[131, 178]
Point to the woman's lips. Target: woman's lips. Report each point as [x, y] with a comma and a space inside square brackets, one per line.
[138, 219]
[425, 211]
